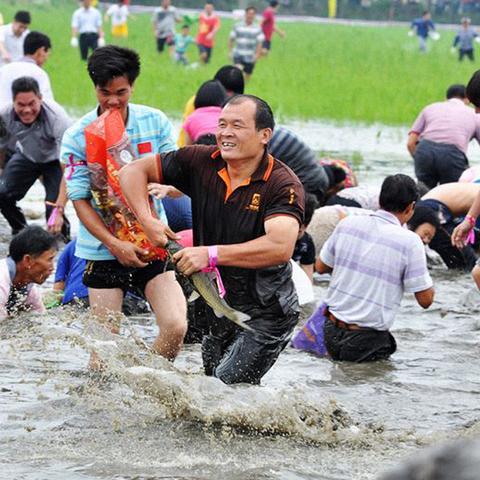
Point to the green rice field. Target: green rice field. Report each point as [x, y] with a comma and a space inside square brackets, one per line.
[341, 73]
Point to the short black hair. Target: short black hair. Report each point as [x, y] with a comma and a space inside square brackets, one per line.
[185, 25]
[31, 241]
[22, 16]
[311, 204]
[34, 41]
[111, 61]
[251, 7]
[456, 91]
[231, 77]
[423, 215]
[210, 94]
[263, 112]
[425, 12]
[335, 174]
[397, 193]
[274, 3]
[24, 85]
[473, 89]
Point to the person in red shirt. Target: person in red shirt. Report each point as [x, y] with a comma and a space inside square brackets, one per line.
[269, 27]
[208, 26]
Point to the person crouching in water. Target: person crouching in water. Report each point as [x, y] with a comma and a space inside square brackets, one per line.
[373, 261]
[30, 261]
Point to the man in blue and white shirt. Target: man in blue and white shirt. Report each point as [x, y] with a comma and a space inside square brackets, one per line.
[115, 266]
[245, 43]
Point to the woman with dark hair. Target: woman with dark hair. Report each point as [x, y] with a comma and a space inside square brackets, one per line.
[204, 119]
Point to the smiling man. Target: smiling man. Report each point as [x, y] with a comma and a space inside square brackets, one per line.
[114, 265]
[31, 144]
[247, 210]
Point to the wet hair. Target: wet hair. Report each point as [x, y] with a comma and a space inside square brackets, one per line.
[22, 16]
[210, 94]
[31, 241]
[34, 41]
[335, 174]
[422, 189]
[24, 85]
[473, 89]
[263, 112]
[206, 139]
[251, 7]
[423, 215]
[231, 78]
[274, 3]
[397, 193]
[311, 204]
[107, 63]
[456, 91]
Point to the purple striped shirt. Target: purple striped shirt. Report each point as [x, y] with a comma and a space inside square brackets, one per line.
[449, 122]
[374, 260]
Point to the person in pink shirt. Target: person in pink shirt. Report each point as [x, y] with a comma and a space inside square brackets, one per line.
[30, 261]
[439, 138]
[208, 26]
[201, 125]
[269, 27]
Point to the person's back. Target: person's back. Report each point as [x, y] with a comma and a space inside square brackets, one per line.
[290, 149]
[375, 247]
[373, 261]
[449, 122]
[458, 197]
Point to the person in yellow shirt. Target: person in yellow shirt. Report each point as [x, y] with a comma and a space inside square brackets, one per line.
[231, 78]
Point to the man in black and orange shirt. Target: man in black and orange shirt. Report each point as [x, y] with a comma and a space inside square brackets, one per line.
[248, 208]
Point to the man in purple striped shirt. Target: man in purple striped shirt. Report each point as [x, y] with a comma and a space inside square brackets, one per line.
[439, 138]
[373, 261]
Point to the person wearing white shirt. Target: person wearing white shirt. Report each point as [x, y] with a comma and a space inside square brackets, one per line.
[119, 14]
[12, 37]
[36, 51]
[87, 29]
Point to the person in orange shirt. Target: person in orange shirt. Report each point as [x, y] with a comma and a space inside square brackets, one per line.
[208, 26]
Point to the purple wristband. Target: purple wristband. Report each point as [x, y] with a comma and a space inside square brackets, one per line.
[212, 256]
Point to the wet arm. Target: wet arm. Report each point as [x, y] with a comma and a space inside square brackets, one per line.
[273, 248]
[322, 267]
[425, 297]
[412, 142]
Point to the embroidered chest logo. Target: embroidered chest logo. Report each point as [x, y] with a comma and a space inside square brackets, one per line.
[254, 203]
[291, 199]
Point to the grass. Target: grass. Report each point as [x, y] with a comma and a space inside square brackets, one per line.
[341, 73]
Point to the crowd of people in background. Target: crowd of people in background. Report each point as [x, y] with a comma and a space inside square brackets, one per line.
[252, 195]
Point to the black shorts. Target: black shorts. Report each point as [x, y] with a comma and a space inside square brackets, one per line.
[235, 355]
[205, 50]
[164, 40]
[247, 66]
[267, 44]
[107, 274]
[357, 345]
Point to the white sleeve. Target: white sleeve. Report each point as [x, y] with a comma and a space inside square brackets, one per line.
[75, 20]
[45, 87]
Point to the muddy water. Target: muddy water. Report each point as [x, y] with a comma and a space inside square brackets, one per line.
[310, 419]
